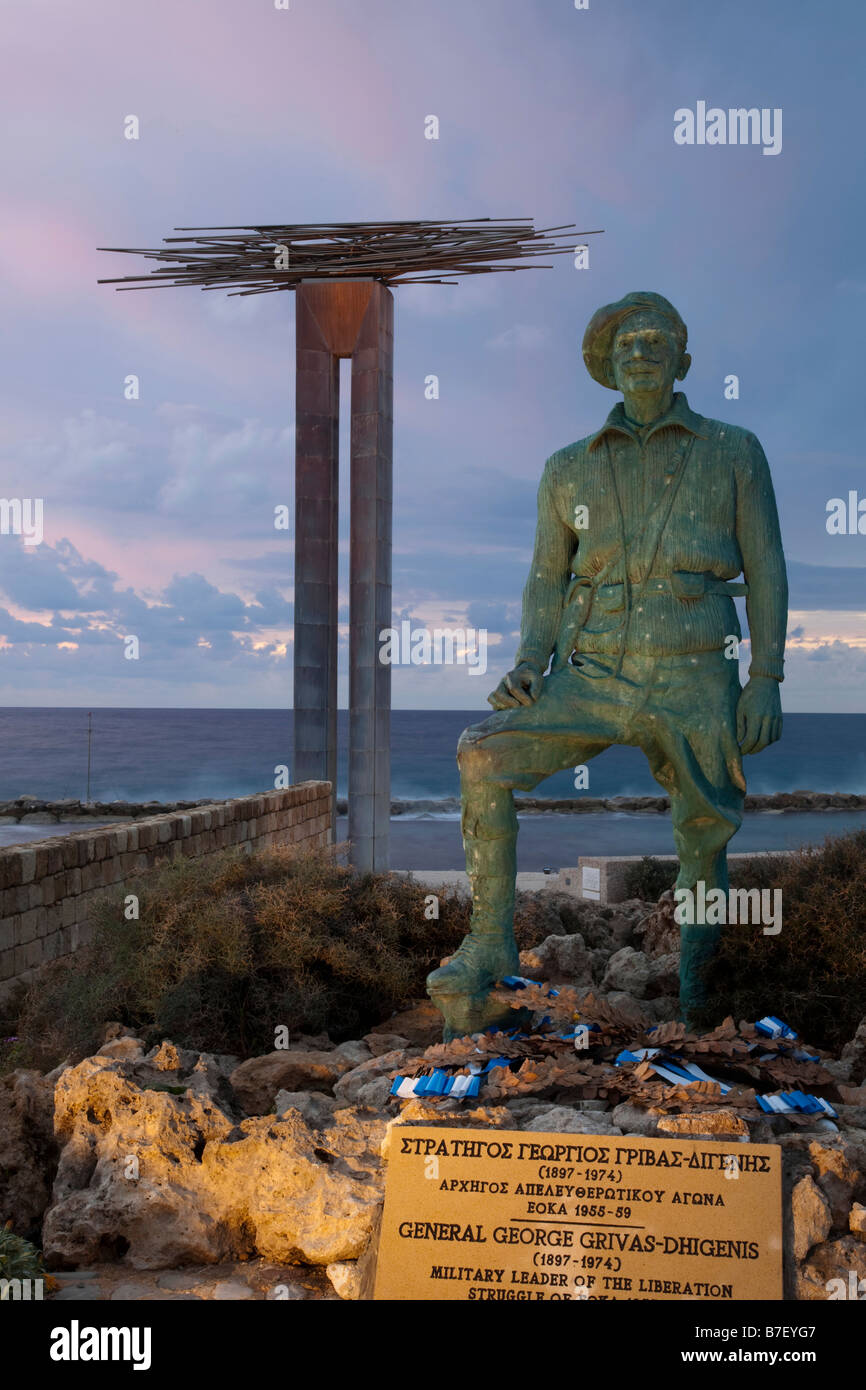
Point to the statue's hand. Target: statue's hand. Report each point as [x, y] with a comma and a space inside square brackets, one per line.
[759, 714]
[522, 686]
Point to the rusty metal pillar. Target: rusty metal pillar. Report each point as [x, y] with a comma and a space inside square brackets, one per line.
[345, 318]
[317, 412]
[370, 592]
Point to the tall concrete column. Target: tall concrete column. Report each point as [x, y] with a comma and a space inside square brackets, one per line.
[370, 590]
[346, 318]
[317, 433]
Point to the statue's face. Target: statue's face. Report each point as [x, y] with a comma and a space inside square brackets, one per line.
[645, 354]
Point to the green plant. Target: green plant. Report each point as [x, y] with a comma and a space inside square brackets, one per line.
[812, 973]
[18, 1258]
[649, 878]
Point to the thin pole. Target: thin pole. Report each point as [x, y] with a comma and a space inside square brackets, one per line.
[89, 744]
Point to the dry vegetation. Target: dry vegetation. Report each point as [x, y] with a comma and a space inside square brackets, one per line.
[226, 948]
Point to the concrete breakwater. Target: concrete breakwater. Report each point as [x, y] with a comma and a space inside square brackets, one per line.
[32, 810]
[589, 805]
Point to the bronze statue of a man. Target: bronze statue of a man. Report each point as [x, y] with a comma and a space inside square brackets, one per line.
[642, 527]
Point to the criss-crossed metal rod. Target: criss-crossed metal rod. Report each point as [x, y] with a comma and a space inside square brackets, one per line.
[279, 256]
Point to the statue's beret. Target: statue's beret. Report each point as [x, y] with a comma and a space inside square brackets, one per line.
[602, 327]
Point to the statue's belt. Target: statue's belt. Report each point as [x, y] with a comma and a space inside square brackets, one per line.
[683, 584]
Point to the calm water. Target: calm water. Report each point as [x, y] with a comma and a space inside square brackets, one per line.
[175, 755]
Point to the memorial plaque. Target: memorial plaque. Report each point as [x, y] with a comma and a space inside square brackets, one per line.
[480, 1214]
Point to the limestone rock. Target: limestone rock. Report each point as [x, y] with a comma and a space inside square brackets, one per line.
[599, 959]
[423, 1112]
[854, 1053]
[559, 959]
[256, 1082]
[165, 1058]
[835, 1270]
[525, 1107]
[840, 1071]
[857, 1220]
[347, 1089]
[113, 1030]
[374, 1095]
[380, 1043]
[708, 1124]
[639, 1013]
[632, 1119]
[839, 1195]
[28, 1151]
[811, 1217]
[664, 1009]
[355, 1051]
[161, 1179]
[664, 975]
[658, 932]
[421, 1025]
[231, 1290]
[317, 1109]
[345, 1278]
[122, 1047]
[561, 1119]
[628, 972]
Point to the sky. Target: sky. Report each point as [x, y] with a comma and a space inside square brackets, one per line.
[159, 511]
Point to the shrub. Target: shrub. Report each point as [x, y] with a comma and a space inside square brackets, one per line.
[18, 1258]
[813, 973]
[649, 878]
[227, 948]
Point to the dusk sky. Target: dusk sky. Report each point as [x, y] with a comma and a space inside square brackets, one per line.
[159, 512]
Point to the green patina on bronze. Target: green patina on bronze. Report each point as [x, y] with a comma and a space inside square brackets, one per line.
[643, 530]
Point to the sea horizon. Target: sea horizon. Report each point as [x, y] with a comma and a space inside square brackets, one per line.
[175, 753]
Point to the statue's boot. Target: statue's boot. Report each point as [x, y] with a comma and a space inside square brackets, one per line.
[461, 988]
[698, 945]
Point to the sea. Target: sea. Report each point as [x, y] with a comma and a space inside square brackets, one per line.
[188, 754]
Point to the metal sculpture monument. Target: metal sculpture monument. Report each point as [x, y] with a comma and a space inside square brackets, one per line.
[643, 527]
[344, 308]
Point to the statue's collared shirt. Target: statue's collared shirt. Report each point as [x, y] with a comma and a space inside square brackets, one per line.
[722, 522]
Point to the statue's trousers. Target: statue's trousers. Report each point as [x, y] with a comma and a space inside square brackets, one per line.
[681, 710]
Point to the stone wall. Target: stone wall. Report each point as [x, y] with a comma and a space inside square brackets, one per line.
[47, 886]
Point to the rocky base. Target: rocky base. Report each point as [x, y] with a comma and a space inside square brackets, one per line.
[163, 1173]
[590, 805]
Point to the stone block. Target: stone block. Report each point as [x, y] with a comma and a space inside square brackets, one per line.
[52, 946]
[91, 877]
[52, 919]
[147, 834]
[8, 902]
[30, 923]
